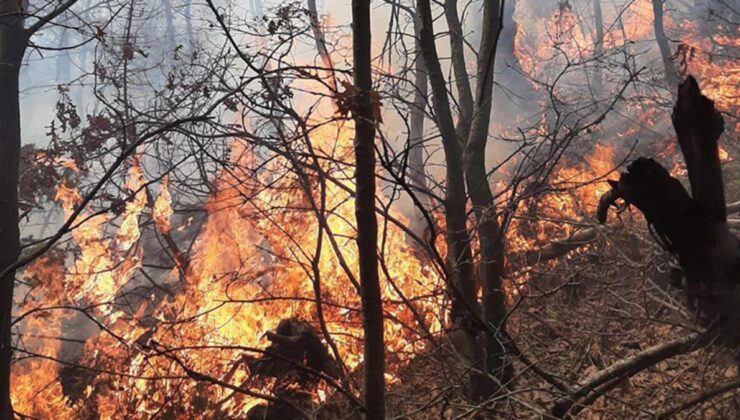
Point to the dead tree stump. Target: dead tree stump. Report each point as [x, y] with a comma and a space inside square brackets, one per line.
[693, 227]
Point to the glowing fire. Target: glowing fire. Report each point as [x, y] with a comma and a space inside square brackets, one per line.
[162, 210]
[239, 285]
[256, 259]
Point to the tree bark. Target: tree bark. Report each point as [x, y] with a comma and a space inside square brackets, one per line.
[692, 227]
[170, 26]
[671, 75]
[13, 42]
[733, 207]
[462, 81]
[626, 368]
[465, 310]
[556, 248]
[699, 398]
[489, 232]
[189, 23]
[698, 127]
[367, 224]
[458, 240]
[417, 170]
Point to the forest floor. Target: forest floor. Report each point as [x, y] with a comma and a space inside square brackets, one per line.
[578, 315]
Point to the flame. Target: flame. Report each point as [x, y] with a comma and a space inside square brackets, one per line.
[542, 43]
[105, 264]
[702, 56]
[538, 52]
[246, 275]
[102, 266]
[37, 390]
[162, 210]
[574, 195]
[258, 258]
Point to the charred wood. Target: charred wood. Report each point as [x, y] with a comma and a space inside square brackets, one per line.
[693, 227]
[294, 343]
[293, 358]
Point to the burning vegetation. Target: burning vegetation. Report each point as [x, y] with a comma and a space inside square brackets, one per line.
[189, 237]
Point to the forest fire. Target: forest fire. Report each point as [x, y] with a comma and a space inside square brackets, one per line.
[564, 34]
[238, 287]
[223, 279]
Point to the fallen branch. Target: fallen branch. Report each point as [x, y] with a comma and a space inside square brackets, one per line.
[626, 368]
[700, 398]
[733, 224]
[557, 248]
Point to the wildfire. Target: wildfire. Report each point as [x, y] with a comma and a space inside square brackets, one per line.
[541, 44]
[538, 52]
[575, 192]
[162, 210]
[263, 255]
[702, 56]
[37, 389]
[105, 264]
[247, 272]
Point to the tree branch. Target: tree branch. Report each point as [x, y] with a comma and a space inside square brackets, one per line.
[628, 367]
[700, 398]
[48, 18]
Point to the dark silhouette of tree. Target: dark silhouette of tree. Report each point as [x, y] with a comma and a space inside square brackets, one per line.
[14, 37]
[367, 224]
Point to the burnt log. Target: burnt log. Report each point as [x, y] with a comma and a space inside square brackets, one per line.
[297, 359]
[296, 347]
[693, 227]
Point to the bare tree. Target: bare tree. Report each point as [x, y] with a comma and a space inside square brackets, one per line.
[459, 254]
[490, 233]
[14, 37]
[670, 74]
[416, 117]
[367, 224]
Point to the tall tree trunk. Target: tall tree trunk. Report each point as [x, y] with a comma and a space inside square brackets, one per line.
[462, 81]
[318, 34]
[459, 255]
[671, 75]
[489, 232]
[63, 73]
[367, 224]
[13, 41]
[598, 83]
[417, 170]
